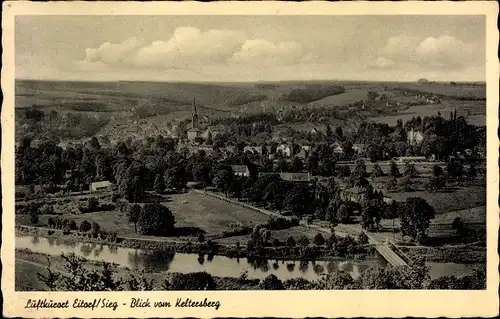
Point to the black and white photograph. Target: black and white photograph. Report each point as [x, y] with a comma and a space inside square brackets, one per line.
[249, 152]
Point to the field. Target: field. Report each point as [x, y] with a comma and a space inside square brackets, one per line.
[193, 213]
[473, 111]
[444, 202]
[210, 214]
[281, 235]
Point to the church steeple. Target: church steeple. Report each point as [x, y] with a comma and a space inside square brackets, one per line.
[194, 120]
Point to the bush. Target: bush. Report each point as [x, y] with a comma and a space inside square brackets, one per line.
[72, 225]
[51, 222]
[92, 205]
[95, 229]
[156, 219]
[85, 226]
[303, 240]
[66, 230]
[290, 242]
[319, 240]
[191, 281]
[272, 283]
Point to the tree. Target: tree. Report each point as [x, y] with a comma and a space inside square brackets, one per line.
[95, 229]
[274, 194]
[437, 171]
[133, 182]
[156, 220]
[371, 213]
[134, 214]
[459, 226]
[410, 170]
[72, 225]
[335, 280]
[338, 132]
[298, 200]
[201, 173]
[159, 185]
[201, 237]
[455, 170]
[290, 242]
[377, 171]
[435, 183]
[319, 240]
[85, 226]
[92, 204]
[392, 184]
[34, 217]
[272, 283]
[191, 281]
[415, 218]
[76, 277]
[363, 238]
[303, 240]
[343, 213]
[176, 177]
[394, 171]
[223, 179]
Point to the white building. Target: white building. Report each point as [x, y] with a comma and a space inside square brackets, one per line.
[414, 137]
[100, 186]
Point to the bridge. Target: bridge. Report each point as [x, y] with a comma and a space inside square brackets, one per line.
[387, 250]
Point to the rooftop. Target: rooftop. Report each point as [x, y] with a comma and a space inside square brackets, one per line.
[239, 168]
[355, 190]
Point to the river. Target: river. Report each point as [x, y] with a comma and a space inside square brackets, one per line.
[220, 266]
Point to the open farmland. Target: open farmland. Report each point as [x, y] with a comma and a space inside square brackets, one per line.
[443, 202]
[210, 214]
[473, 111]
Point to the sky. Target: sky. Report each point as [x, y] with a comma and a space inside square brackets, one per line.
[250, 48]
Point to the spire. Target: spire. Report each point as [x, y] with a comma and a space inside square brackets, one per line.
[194, 120]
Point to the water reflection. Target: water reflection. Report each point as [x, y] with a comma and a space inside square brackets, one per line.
[303, 266]
[186, 263]
[318, 269]
[201, 259]
[35, 240]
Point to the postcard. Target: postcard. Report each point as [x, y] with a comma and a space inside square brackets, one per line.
[250, 159]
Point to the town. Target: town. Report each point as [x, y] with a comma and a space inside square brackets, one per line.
[218, 188]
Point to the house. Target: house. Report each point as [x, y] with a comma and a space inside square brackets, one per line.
[208, 149]
[285, 149]
[241, 170]
[100, 186]
[359, 148]
[337, 148]
[354, 194]
[388, 200]
[296, 177]
[414, 137]
[193, 133]
[303, 154]
[253, 149]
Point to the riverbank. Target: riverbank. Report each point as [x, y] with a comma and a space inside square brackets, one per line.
[309, 253]
[32, 263]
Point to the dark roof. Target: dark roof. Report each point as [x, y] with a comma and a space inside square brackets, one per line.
[296, 177]
[355, 190]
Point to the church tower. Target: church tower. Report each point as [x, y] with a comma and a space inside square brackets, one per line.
[194, 119]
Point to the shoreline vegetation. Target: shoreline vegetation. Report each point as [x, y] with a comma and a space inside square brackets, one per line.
[66, 272]
[355, 251]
